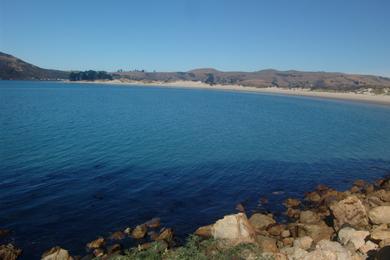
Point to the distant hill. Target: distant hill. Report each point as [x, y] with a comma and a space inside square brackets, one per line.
[269, 78]
[14, 68]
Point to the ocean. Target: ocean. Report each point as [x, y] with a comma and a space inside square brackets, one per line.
[82, 160]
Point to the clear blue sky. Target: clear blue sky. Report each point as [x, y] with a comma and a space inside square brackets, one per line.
[179, 35]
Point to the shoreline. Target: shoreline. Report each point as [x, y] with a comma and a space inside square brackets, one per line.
[353, 224]
[299, 92]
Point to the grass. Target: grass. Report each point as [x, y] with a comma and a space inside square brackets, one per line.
[195, 249]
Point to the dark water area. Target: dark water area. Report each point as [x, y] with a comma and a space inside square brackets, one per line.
[78, 161]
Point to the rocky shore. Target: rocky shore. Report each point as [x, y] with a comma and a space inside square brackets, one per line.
[327, 224]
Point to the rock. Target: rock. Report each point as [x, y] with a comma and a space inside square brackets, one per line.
[288, 241]
[118, 235]
[383, 253]
[275, 229]
[317, 232]
[369, 189]
[309, 217]
[127, 231]
[328, 250]
[114, 249]
[4, 232]
[153, 235]
[166, 235]
[267, 244]
[313, 197]
[205, 231]
[349, 211]
[355, 189]
[9, 252]
[98, 243]
[359, 183]
[322, 188]
[367, 247]
[153, 223]
[303, 242]
[351, 236]
[384, 242]
[294, 253]
[380, 215]
[98, 252]
[261, 221]
[235, 229]
[56, 253]
[293, 213]
[379, 234]
[292, 203]
[285, 233]
[240, 207]
[139, 231]
[265, 255]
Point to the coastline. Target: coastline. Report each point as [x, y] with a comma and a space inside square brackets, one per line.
[364, 97]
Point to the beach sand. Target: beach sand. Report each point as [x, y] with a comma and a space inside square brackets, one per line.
[352, 96]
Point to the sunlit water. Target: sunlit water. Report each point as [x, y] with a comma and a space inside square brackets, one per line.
[79, 161]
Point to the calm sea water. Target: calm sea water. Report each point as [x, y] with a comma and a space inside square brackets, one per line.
[79, 161]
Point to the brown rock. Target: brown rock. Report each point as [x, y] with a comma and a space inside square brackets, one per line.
[369, 189]
[349, 211]
[313, 197]
[153, 223]
[235, 229]
[380, 215]
[285, 233]
[275, 229]
[384, 242]
[355, 189]
[261, 221]
[118, 235]
[114, 249]
[293, 213]
[288, 241]
[359, 183]
[267, 244]
[205, 231]
[309, 217]
[98, 252]
[56, 253]
[98, 243]
[379, 234]
[292, 203]
[10, 252]
[304, 242]
[166, 235]
[317, 232]
[139, 231]
[153, 235]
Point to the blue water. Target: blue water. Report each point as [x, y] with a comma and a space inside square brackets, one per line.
[79, 161]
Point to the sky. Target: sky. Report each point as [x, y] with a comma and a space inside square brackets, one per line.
[351, 36]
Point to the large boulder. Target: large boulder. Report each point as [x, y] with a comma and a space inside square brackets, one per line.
[56, 253]
[380, 215]
[261, 221]
[329, 250]
[317, 232]
[294, 252]
[97, 243]
[352, 237]
[349, 211]
[205, 231]
[235, 229]
[9, 252]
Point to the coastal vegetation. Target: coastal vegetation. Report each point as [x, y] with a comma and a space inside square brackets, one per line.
[89, 75]
[325, 224]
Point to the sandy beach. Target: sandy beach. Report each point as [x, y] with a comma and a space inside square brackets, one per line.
[352, 96]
